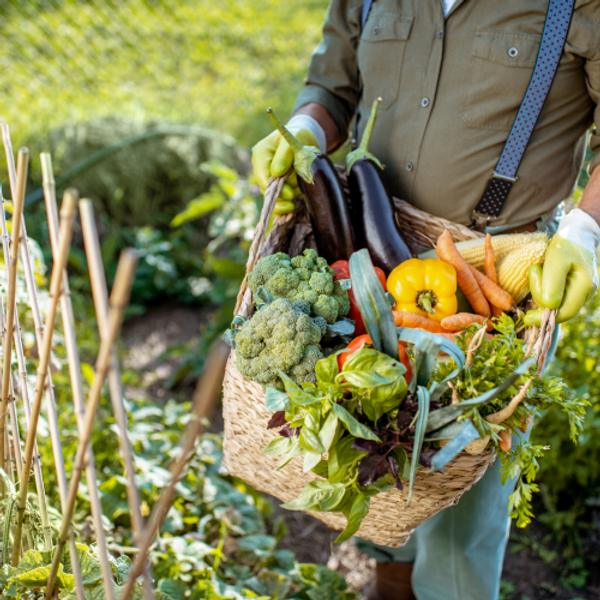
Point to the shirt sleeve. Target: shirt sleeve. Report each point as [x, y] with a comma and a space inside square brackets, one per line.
[332, 74]
[592, 69]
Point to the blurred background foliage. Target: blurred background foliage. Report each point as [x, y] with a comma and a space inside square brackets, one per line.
[150, 107]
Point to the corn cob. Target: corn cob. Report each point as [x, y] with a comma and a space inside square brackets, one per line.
[513, 271]
[473, 251]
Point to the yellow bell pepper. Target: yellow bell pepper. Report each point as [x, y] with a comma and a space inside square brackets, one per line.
[426, 287]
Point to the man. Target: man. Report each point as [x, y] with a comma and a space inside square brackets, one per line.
[452, 75]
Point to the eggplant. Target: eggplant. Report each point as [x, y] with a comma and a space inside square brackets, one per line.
[373, 214]
[324, 198]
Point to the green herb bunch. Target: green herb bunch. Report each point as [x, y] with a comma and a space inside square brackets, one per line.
[492, 361]
[340, 415]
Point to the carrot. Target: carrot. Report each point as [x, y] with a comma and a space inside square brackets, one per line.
[446, 250]
[460, 320]
[490, 270]
[447, 335]
[492, 291]
[505, 440]
[408, 319]
[490, 259]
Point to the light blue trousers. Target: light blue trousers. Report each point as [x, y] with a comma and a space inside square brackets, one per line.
[458, 553]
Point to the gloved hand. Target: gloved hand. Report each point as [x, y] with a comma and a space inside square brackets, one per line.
[569, 277]
[273, 156]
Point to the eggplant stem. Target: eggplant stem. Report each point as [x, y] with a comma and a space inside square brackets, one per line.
[366, 139]
[285, 133]
[304, 156]
[363, 150]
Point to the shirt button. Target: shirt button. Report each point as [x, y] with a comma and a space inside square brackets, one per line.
[425, 102]
[439, 34]
[409, 166]
[513, 52]
[375, 30]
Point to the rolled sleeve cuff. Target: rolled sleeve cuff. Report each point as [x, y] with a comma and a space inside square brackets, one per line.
[340, 110]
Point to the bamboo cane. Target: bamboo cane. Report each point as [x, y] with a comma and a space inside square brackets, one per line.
[22, 367]
[14, 424]
[100, 295]
[51, 409]
[205, 397]
[118, 302]
[68, 321]
[11, 294]
[68, 210]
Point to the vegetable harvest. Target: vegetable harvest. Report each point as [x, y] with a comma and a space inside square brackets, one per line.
[370, 379]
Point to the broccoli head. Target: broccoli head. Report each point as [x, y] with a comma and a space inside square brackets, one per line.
[280, 336]
[305, 278]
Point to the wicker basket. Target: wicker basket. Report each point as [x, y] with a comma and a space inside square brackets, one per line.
[388, 522]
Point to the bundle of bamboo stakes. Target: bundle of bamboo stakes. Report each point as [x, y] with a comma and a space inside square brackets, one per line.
[109, 312]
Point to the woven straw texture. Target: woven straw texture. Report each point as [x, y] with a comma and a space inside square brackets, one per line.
[388, 523]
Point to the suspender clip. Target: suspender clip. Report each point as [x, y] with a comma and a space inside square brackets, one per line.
[504, 177]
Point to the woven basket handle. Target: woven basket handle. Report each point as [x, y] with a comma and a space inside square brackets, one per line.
[271, 194]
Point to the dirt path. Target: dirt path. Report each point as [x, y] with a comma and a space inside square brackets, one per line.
[153, 345]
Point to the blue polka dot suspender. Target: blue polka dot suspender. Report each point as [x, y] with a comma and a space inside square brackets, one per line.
[558, 20]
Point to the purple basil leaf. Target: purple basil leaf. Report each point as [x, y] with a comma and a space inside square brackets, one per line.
[366, 445]
[403, 419]
[426, 457]
[394, 470]
[288, 433]
[372, 468]
[277, 420]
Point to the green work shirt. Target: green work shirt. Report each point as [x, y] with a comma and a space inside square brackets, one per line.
[451, 88]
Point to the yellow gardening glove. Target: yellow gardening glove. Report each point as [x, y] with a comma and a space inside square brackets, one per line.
[274, 157]
[569, 277]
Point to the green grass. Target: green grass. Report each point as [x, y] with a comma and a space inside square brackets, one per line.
[217, 64]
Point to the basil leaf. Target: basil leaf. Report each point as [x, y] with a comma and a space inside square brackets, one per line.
[311, 460]
[359, 510]
[321, 469]
[309, 440]
[328, 431]
[276, 400]
[327, 368]
[294, 451]
[279, 445]
[297, 394]
[312, 494]
[384, 398]
[467, 434]
[332, 499]
[366, 379]
[341, 457]
[354, 427]
[307, 499]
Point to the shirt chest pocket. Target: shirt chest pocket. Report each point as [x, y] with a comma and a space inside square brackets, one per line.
[380, 56]
[501, 67]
